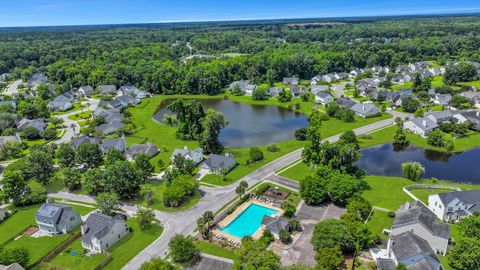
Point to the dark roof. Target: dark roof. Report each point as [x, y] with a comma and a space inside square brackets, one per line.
[117, 143]
[417, 212]
[98, 225]
[149, 149]
[216, 162]
[386, 264]
[275, 224]
[49, 210]
[76, 142]
[107, 88]
[467, 196]
[345, 103]
[414, 252]
[110, 127]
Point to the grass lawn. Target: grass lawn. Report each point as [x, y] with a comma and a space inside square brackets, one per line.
[158, 189]
[422, 194]
[475, 84]
[76, 107]
[407, 85]
[381, 136]
[213, 249]
[66, 260]
[297, 172]
[81, 116]
[378, 221]
[386, 192]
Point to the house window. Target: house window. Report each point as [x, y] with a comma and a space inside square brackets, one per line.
[440, 206]
[450, 208]
[465, 207]
[118, 236]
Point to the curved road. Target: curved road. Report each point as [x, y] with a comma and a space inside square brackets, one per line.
[212, 199]
[70, 132]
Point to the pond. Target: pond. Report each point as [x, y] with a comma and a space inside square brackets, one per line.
[250, 125]
[387, 160]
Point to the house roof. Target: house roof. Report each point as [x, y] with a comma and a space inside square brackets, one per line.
[386, 264]
[466, 196]
[110, 127]
[117, 143]
[319, 88]
[441, 115]
[13, 266]
[24, 123]
[87, 89]
[297, 89]
[76, 142]
[104, 89]
[275, 224]
[150, 149]
[5, 139]
[424, 123]
[194, 155]
[443, 98]
[218, 161]
[365, 108]
[345, 103]
[417, 212]
[414, 252]
[323, 95]
[98, 225]
[48, 211]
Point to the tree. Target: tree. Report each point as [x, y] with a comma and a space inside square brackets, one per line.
[413, 170]
[342, 187]
[329, 233]
[436, 138]
[255, 154]
[49, 134]
[313, 190]
[12, 255]
[463, 72]
[470, 227]
[401, 266]
[329, 258]
[181, 188]
[169, 120]
[144, 167]
[71, 178]
[301, 134]
[145, 217]
[189, 115]
[122, 178]
[400, 137]
[89, 155]
[146, 191]
[253, 255]
[65, 155]
[410, 104]
[271, 75]
[242, 187]
[350, 137]
[183, 249]
[285, 237]
[40, 166]
[466, 254]
[284, 96]
[420, 112]
[311, 151]
[237, 90]
[360, 207]
[212, 124]
[204, 223]
[333, 108]
[461, 102]
[259, 94]
[108, 203]
[183, 165]
[56, 121]
[421, 85]
[14, 187]
[158, 264]
[112, 156]
[93, 181]
[30, 133]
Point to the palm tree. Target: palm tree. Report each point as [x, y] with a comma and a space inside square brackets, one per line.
[73, 127]
[147, 193]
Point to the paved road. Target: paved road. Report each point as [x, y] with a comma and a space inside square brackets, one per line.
[283, 181]
[72, 127]
[212, 199]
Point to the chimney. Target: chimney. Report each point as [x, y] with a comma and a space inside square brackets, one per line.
[424, 123]
[363, 107]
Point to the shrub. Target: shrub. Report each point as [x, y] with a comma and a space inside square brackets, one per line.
[289, 212]
[267, 237]
[273, 148]
[255, 154]
[285, 237]
[301, 134]
[261, 189]
[391, 214]
[294, 225]
[413, 170]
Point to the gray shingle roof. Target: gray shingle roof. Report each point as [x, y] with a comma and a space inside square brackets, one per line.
[110, 127]
[275, 224]
[467, 196]
[98, 225]
[215, 162]
[149, 149]
[414, 252]
[48, 211]
[107, 89]
[345, 103]
[424, 123]
[365, 109]
[417, 212]
[76, 142]
[117, 143]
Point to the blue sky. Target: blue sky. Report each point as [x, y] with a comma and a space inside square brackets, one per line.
[79, 12]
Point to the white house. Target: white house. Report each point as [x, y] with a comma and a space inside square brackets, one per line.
[365, 110]
[417, 218]
[323, 97]
[54, 218]
[100, 232]
[195, 155]
[420, 126]
[217, 163]
[454, 206]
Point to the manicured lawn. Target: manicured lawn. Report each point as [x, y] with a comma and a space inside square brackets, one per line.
[158, 199]
[66, 260]
[132, 244]
[76, 107]
[386, 192]
[475, 84]
[380, 136]
[213, 249]
[407, 85]
[81, 116]
[297, 172]
[378, 221]
[422, 194]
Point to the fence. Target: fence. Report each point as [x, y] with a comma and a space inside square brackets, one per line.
[105, 261]
[426, 186]
[15, 236]
[57, 249]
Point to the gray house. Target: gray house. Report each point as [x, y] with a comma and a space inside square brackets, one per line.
[149, 149]
[216, 163]
[35, 123]
[297, 90]
[319, 88]
[13, 266]
[290, 80]
[274, 224]
[117, 143]
[107, 89]
[85, 91]
[59, 106]
[54, 218]
[415, 217]
[195, 155]
[421, 126]
[365, 109]
[110, 127]
[9, 139]
[323, 97]
[100, 232]
[76, 142]
[345, 103]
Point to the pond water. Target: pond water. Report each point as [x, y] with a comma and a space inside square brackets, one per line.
[387, 160]
[250, 125]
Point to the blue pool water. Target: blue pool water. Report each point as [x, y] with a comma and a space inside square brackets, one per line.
[248, 222]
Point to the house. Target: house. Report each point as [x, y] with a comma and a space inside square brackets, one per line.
[122, 101]
[290, 80]
[3, 213]
[216, 163]
[297, 90]
[441, 99]
[421, 126]
[323, 97]
[132, 91]
[473, 96]
[417, 218]
[454, 206]
[110, 143]
[249, 89]
[365, 109]
[86, 91]
[319, 88]
[149, 149]
[345, 103]
[38, 124]
[76, 142]
[418, 66]
[412, 251]
[108, 115]
[54, 218]
[4, 76]
[440, 117]
[36, 80]
[110, 127]
[13, 266]
[246, 87]
[275, 225]
[100, 232]
[369, 92]
[356, 73]
[377, 70]
[473, 117]
[330, 77]
[273, 92]
[316, 79]
[399, 78]
[388, 96]
[107, 89]
[9, 139]
[195, 155]
[402, 69]
[59, 106]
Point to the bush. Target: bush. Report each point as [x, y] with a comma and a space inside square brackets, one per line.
[289, 212]
[301, 134]
[261, 189]
[391, 214]
[273, 148]
[267, 237]
[294, 225]
[255, 154]
[285, 237]
[49, 134]
[30, 133]
[413, 170]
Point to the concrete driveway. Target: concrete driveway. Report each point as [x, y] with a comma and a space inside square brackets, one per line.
[302, 252]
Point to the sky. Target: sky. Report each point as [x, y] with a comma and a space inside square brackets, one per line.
[88, 12]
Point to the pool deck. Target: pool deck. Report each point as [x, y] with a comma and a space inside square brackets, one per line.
[228, 219]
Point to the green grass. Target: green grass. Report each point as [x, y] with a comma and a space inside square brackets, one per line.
[76, 107]
[297, 172]
[422, 194]
[81, 116]
[378, 221]
[386, 192]
[213, 249]
[122, 252]
[475, 84]
[407, 85]
[381, 136]
[157, 204]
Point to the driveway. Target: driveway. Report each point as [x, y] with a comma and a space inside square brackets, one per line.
[72, 127]
[302, 252]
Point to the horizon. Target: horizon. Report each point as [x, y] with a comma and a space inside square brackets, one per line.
[51, 13]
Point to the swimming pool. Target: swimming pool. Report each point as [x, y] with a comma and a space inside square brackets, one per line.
[249, 221]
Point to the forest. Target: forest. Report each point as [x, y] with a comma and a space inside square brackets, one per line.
[146, 56]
